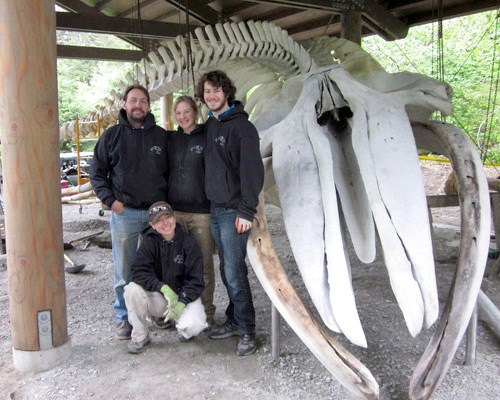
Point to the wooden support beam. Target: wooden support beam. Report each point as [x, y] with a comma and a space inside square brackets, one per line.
[99, 53]
[383, 22]
[119, 26]
[351, 26]
[77, 6]
[375, 16]
[489, 313]
[321, 5]
[31, 174]
[198, 11]
[442, 201]
[459, 10]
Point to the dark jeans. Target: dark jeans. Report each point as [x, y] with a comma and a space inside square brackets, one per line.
[232, 249]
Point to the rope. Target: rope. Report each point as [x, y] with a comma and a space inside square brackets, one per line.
[492, 94]
[438, 70]
[136, 5]
[187, 42]
[182, 75]
[190, 65]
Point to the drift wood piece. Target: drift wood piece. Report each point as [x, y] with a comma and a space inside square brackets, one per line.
[343, 365]
[489, 313]
[473, 252]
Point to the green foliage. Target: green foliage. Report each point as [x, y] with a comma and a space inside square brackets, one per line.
[82, 84]
[470, 61]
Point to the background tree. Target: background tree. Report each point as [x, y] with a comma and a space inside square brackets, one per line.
[467, 58]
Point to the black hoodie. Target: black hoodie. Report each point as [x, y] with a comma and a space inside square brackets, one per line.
[234, 170]
[131, 165]
[177, 263]
[186, 184]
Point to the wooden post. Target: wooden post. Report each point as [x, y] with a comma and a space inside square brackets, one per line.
[351, 26]
[275, 333]
[166, 104]
[30, 156]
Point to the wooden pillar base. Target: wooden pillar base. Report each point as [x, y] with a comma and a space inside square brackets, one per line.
[41, 360]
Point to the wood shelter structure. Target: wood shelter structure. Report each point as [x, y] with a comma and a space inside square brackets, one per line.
[29, 118]
[148, 23]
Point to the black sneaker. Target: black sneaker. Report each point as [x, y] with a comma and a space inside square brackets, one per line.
[123, 330]
[246, 345]
[225, 331]
[183, 339]
[160, 323]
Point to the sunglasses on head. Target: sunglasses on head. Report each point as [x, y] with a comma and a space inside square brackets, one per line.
[156, 210]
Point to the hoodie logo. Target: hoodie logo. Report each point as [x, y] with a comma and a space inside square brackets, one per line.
[179, 259]
[220, 140]
[197, 149]
[155, 150]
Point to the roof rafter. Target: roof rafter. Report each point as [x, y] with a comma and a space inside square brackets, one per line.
[98, 53]
[386, 24]
[118, 26]
[76, 6]
[202, 13]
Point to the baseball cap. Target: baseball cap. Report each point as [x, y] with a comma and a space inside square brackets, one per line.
[156, 210]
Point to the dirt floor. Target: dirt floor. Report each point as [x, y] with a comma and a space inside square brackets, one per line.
[100, 367]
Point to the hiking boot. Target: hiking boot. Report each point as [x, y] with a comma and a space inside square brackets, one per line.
[137, 347]
[225, 331]
[123, 330]
[160, 323]
[246, 345]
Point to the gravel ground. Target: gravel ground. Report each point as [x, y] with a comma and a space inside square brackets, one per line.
[100, 367]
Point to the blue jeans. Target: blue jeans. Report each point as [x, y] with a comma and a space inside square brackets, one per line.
[125, 231]
[232, 249]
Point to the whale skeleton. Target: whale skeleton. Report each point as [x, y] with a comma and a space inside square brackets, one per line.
[339, 141]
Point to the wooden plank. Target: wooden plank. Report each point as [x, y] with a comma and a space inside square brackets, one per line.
[119, 26]
[495, 215]
[98, 53]
[437, 201]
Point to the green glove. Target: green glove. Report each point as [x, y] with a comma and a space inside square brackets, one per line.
[174, 312]
[169, 295]
[177, 310]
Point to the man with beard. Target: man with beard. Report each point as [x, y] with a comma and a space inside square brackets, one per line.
[234, 176]
[129, 172]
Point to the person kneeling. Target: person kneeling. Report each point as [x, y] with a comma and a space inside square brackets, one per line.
[166, 280]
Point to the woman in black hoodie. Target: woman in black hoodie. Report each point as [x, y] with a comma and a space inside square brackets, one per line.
[186, 189]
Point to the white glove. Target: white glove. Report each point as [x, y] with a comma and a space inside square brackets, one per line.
[242, 225]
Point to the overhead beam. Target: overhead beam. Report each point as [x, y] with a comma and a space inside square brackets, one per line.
[132, 12]
[200, 12]
[101, 5]
[98, 53]
[76, 6]
[318, 23]
[320, 5]
[119, 26]
[384, 23]
[453, 12]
